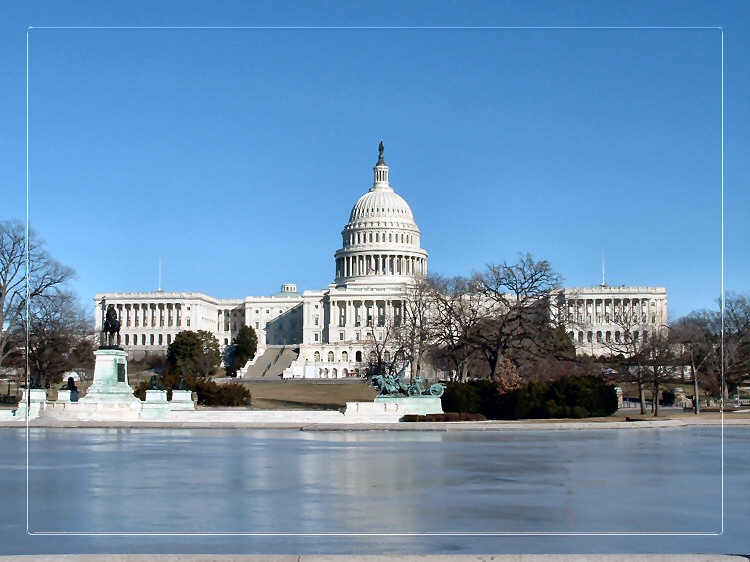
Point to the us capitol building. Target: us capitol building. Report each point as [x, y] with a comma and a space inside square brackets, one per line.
[325, 333]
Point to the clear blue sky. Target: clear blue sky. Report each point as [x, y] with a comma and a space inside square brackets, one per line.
[235, 155]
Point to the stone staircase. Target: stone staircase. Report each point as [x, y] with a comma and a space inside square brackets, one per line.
[272, 363]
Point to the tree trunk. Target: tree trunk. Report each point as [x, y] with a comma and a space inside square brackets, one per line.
[696, 406]
[656, 396]
[641, 392]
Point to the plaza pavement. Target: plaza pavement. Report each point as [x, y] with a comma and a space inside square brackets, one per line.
[378, 558]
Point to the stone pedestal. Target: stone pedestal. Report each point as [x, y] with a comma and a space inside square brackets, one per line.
[110, 379]
[420, 405]
[182, 400]
[67, 396]
[155, 406]
[32, 403]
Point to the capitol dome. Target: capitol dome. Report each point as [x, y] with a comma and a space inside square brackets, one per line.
[381, 241]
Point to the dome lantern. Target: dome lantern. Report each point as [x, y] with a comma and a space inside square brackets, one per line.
[381, 169]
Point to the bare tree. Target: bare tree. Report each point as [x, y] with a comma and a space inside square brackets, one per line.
[517, 323]
[414, 332]
[57, 324]
[45, 276]
[456, 309]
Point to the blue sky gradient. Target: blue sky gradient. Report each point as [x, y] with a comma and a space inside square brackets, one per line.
[236, 155]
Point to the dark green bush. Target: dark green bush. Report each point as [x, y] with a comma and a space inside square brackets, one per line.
[450, 416]
[209, 393]
[570, 397]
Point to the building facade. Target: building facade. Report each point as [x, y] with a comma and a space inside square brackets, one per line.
[333, 328]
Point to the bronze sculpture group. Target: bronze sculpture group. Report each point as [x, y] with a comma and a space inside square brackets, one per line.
[394, 385]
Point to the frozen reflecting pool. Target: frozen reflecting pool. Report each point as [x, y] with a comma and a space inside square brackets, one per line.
[462, 491]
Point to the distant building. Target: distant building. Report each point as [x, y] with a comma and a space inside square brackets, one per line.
[597, 317]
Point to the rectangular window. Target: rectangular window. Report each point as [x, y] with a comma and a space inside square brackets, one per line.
[187, 322]
[317, 337]
[257, 325]
[341, 336]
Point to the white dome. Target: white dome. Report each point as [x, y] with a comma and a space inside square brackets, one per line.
[381, 202]
[381, 241]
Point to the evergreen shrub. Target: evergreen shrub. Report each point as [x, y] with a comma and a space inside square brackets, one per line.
[569, 397]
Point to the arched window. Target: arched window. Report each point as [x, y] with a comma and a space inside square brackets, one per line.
[344, 356]
[387, 356]
[335, 374]
[617, 337]
[345, 373]
[169, 339]
[590, 336]
[143, 339]
[226, 341]
[572, 335]
[151, 339]
[609, 336]
[330, 356]
[358, 357]
[127, 339]
[599, 337]
[580, 337]
[161, 339]
[317, 356]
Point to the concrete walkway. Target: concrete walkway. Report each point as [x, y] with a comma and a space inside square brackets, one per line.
[335, 421]
[389, 558]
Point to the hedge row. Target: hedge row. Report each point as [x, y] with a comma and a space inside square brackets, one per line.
[570, 397]
[448, 417]
[209, 392]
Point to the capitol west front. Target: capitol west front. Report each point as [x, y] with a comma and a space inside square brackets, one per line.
[331, 328]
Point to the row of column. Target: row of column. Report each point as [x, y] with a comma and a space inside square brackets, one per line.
[354, 238]
[362, 313]
[380, 264]
[150, 314]
[601, 311]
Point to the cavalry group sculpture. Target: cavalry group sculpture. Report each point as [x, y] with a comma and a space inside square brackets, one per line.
[394, 385]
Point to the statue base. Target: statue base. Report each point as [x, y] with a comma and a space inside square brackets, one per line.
[420, 405]
[110, 379]
[181, 400]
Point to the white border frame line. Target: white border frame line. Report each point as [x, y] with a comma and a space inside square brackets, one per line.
[333, 534]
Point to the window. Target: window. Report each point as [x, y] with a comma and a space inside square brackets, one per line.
[358, 357]
[257, 325]
[151, 339]
[161, 339]
[330, 356]
[169, 339]
[341, 336]
[316, 357]
[317, 337]
[143, 339]
[344, 356]
[226, 341]
[590, 337]
[187, 322]
[127, 339]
